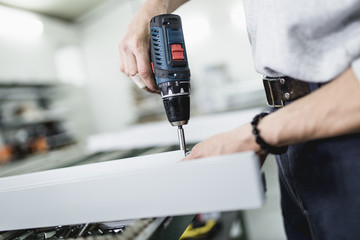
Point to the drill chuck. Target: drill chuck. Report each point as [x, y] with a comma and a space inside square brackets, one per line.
[177, 109]
[176, 99]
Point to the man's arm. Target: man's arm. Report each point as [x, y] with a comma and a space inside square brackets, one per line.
[332, 110]
[134, 48]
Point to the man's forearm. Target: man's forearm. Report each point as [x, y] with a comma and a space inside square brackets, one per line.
[174, 4]
[154, 7]
[332, 110]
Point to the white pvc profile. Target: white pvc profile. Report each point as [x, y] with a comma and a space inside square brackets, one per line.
[147, 186]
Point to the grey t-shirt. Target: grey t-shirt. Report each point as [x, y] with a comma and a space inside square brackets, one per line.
[311, 40]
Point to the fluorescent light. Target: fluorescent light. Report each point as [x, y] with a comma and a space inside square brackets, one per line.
[19, 25]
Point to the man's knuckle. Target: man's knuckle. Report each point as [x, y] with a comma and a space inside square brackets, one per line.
[143, 73]
[126, 71]
[136, 44]
[123, 46]
[195, 149]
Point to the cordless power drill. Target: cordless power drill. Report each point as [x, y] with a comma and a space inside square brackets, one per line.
[170, 66]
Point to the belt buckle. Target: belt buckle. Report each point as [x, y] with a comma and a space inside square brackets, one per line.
[270, 94]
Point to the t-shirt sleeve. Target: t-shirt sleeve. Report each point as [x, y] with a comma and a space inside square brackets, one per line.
[356, 68]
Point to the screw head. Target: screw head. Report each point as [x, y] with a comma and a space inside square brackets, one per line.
[282, 81]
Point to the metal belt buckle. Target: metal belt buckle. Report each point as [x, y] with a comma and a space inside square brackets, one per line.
[274, 98]
[284, 89]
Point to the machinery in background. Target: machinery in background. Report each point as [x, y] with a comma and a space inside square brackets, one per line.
[30, 121]
[140, 229]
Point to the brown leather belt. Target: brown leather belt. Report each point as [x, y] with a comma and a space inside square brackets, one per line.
[284, 89]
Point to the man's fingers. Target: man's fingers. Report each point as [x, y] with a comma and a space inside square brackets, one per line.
[135, 63]
[141, 84]
[145, 71]
[151, 91]
[131, 68]
[138, 80]
[195, 153]
[122, 60]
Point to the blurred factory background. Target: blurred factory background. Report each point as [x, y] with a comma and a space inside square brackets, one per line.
[60, 82]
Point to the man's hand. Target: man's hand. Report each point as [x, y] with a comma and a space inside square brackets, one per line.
[330, 111]
[237, 140]
[134, 49]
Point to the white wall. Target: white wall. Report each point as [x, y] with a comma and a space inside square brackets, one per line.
[215, 35]
[32, 60]
[109, 89]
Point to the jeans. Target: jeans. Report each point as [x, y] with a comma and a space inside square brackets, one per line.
[320, 189]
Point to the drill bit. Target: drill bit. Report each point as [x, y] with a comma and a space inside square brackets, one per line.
[181, 137]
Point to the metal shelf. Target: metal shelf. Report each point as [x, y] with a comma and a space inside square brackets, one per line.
[23, 123]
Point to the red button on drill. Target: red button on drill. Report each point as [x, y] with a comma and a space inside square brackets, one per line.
[177, 52]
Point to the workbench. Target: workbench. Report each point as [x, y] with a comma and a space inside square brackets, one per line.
[99, 154]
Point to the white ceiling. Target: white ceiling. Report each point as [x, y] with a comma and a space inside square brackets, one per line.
[68, 10]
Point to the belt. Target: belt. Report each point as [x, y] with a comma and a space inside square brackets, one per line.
[281, 90]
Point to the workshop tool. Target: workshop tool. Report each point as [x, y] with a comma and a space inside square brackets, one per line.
[170, 66]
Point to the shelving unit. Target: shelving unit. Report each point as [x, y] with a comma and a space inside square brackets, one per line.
[30, 121]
